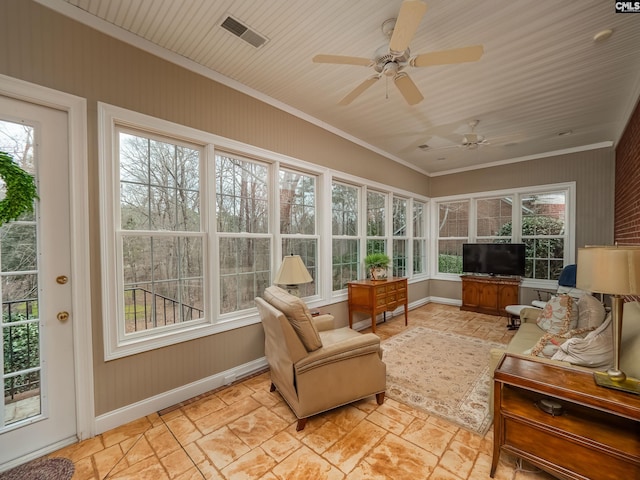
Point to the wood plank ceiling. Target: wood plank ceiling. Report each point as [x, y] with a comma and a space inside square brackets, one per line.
[542, 72]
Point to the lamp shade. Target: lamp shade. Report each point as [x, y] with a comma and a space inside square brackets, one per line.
[292, 272]
[609, 269]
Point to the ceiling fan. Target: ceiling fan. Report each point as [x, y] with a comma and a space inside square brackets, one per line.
[470, 141]
[391, 60]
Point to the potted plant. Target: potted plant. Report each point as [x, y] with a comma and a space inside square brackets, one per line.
[377, 264]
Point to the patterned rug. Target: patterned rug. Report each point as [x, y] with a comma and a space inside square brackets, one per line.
[443, 373]
[41, 469]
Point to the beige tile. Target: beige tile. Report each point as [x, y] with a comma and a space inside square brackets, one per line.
[149, 469]
[177, 463]
[222, 447]
[139, 451]
[107, 459]
[84, 470]
[183, 429]
[251, 465]
[428, 436]
[458, 459]
[192, 474]
[162, 440]
[399, 459]
[219, 418]
[129, 432]
[349, 450]
[347, 417]
[234, 393]
[257, 426]
[209, 471]
[441, 474]
[304, 464]
[202, 407]
[81, 450]
[389, 409]
[323, 437]
[281, 446]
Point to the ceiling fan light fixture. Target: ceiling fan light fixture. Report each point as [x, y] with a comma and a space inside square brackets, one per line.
[390, 69]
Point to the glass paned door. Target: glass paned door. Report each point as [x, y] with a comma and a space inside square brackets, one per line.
[38, 408]
[19, 286]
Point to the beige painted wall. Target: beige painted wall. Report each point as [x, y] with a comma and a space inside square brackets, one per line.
[43, 47]
[40, 46]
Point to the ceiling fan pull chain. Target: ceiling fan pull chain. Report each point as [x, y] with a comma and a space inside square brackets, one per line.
[386, 88]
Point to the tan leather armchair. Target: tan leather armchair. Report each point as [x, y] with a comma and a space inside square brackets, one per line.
[315, 366]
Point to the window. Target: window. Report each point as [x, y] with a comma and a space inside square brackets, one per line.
[161, 239]
[419, 238]
[242, 213]
[400, 239]
[453, 231]
[543, 231]
[344, 231]
[376, 231]
[493, 219]
[298, 222]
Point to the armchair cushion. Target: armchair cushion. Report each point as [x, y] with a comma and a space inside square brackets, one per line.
[594, 351]
[298, 315]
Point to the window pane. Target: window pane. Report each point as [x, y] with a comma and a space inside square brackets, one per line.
[345, 262]
[163, 281]
[400, 258]
[399, 217]
[494, 217]
[419, 256]
[242, 199]
[375, 214]
[453, 219]
[297, 203]
[18, 246]
[245, 271]
[419, 220]
[159, 185]
[344, 208]
[307, 248]
[376, 246]
[450, 256]
[543, 232]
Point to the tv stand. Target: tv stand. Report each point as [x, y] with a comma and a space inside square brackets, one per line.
[489, 294]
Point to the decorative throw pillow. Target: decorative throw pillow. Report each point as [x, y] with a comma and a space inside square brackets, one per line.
[559, 315]
[591, 312]
[298, 315]
[595, 350]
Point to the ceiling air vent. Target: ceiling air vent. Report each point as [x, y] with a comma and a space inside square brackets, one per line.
[242, 31]
[424, 146]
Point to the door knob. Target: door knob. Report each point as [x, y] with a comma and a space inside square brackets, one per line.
[62, 279]
[63, 316]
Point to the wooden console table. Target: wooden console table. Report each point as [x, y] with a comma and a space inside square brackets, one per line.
[597, 436]
[490, 295]
[376, 296]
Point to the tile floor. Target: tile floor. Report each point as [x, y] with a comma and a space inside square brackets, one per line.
[245, 432]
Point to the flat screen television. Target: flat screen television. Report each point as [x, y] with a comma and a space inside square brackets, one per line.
[494, 258]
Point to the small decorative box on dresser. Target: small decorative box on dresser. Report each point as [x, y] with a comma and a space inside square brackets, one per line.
[377, 296]
[490, 295]
[558, 419]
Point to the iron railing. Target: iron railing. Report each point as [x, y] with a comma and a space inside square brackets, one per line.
[139, 311]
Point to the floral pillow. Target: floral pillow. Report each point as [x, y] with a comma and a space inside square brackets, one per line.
[595, 350]
[559, 315]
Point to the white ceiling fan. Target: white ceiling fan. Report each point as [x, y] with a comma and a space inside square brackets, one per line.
[470, 141]
[391, 60]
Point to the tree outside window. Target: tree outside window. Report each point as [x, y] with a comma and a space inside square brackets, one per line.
[453, 232]
[344, 232]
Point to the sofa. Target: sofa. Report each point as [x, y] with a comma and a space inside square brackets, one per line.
[314, 365]
[589, 346]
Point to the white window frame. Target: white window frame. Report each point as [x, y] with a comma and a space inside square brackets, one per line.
[569, 188]
[356, 238]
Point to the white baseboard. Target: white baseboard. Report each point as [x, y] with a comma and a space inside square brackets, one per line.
[167, 399]
[445, 301]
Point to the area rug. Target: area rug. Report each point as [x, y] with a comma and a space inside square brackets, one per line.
[41, 469]
[442, 373]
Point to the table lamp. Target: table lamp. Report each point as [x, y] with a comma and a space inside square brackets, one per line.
[292, 273]
[614, 271]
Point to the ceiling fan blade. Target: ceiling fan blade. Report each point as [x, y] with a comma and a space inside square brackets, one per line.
[342, 60]
[408, 89]
[445, 57]
[351, 96]
[409, 17]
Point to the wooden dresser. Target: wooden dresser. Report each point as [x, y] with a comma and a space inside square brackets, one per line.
[597, 435]
[377, 296]
[490, 295]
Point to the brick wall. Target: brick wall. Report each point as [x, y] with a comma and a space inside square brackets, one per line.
[627, 194]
